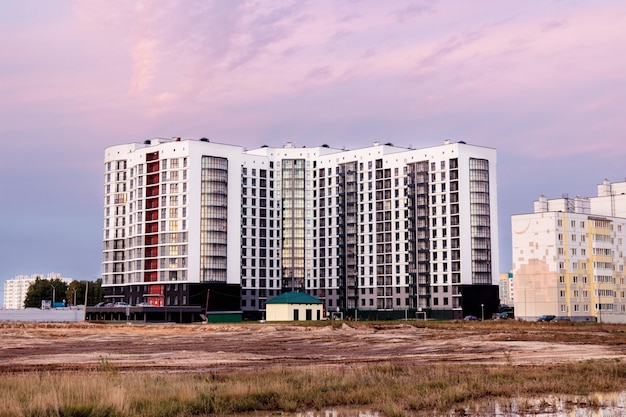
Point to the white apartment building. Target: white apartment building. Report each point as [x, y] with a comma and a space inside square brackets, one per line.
[374, 232]
[15, 289]
[568, 257]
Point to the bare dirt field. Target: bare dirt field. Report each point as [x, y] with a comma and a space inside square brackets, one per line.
[216, 347]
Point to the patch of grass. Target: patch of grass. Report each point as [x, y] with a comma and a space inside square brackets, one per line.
[106, 366]
[392, 389]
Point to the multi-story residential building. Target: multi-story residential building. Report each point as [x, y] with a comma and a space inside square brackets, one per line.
[568, 257]
[15, 289]
[506, 288]
[379, 232]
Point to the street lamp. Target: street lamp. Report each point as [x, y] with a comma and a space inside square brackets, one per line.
[482, 312]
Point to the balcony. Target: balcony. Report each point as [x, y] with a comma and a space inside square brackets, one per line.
[152, 203]
[152, 227]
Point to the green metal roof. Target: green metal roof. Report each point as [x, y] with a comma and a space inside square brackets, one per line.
[294, 298]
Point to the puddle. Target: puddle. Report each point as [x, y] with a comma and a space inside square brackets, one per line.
[594, 405]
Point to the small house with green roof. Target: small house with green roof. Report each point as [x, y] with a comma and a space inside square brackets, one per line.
[293, 306]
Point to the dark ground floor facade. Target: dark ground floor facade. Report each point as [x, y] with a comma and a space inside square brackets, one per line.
[188, 303]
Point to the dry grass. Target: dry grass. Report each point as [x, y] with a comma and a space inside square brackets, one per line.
[392, 389]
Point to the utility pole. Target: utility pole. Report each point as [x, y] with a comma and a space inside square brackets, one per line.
[85, 308]
[54, 291]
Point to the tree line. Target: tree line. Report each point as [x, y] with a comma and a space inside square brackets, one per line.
[56, 290]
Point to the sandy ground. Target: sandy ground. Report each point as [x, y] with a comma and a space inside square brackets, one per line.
[181, 348]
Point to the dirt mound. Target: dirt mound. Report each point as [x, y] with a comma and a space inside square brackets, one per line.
[177, 348]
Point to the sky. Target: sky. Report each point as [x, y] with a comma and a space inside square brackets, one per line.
[543, 82]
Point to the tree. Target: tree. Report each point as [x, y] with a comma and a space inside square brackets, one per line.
[95, 293]
[75, 294]
[41, 289]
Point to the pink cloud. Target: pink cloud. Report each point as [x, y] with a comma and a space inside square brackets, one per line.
[201, 63]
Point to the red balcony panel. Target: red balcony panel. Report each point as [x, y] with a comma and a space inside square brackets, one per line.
[151, 252]
[152, 167]
[150, 264]
[152, 191]
[152, 179]
[155, 289]
[150, 276]
[152, 203]
[152, 215]
[152, 240]
[152, 227]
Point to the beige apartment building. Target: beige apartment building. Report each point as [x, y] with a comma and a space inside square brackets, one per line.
[568, 257]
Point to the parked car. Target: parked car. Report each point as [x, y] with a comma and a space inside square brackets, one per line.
[562, 318]
[506, 315]
[547, 317]
[470, 318]
[121, 304]
[100, 304]
[144, 304]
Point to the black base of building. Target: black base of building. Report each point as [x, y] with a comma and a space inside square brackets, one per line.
[480, 300]
[178, 302]
[172, 314]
